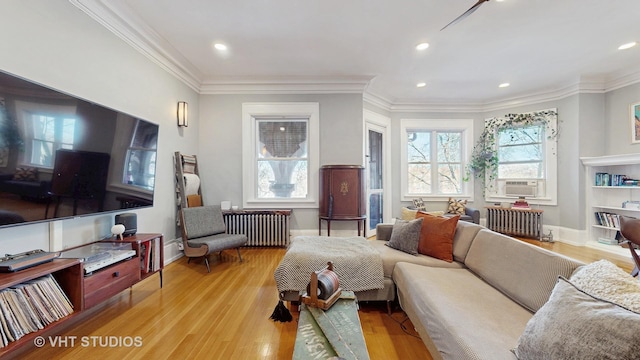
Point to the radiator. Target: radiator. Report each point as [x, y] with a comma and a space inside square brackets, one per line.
[518, 222]
[262, 227]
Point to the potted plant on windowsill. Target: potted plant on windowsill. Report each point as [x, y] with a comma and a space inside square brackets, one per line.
[484, 157]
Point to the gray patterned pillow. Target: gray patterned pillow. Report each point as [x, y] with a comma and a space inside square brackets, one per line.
[576, 325]
[406, 235]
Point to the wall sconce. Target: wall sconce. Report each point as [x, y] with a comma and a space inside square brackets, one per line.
[182, 113]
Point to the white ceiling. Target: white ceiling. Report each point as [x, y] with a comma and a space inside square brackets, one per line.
[538, 46]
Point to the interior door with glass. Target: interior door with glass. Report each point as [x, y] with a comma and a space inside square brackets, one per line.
[378, 204]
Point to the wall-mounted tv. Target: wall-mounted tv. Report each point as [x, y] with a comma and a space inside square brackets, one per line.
[61, 156]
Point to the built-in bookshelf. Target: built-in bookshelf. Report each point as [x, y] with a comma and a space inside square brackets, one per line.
[611, 191]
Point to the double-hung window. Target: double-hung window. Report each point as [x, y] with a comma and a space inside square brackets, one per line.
[527, 158]
[434, 154]
[521, 152]
[280, 154]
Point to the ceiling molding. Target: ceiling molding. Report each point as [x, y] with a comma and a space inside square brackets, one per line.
[286, 85]
[118, 18]
[623, 80]
[124, 23]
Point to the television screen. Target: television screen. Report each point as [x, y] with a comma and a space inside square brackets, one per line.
[61, 156]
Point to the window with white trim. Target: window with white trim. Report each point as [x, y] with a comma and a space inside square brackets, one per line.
[521, 152]
[527, 154]
[434, 156]
[280, 151]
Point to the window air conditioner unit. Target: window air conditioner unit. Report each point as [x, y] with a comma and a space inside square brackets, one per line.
[521, 188]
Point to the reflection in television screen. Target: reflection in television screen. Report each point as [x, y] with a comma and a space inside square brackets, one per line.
[61, 156]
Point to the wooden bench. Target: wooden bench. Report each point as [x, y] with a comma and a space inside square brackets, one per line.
[334, 332]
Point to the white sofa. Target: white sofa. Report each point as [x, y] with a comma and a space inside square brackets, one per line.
[477, 306]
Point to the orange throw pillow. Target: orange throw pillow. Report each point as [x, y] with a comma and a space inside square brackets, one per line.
[436, 236]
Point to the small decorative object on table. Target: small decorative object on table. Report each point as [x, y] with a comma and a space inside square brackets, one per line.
[323, 289]
[521, 203]
[117, 230]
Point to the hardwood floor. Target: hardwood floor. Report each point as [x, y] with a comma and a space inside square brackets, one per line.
[219, 315]
[225, 315]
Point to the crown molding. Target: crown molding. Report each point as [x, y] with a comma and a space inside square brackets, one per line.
[622, 80]
[285, 85]
[121, 20]
[124, 23]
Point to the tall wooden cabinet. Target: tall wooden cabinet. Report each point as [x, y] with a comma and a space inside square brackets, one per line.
[342, 195]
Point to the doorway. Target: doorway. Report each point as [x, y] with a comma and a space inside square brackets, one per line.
[378, 175]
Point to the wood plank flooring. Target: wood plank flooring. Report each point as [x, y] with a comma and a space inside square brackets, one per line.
[225, 315]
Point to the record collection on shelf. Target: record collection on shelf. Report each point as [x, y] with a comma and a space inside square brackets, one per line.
[30, 306]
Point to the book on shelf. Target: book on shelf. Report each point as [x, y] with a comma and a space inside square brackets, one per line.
[606, 179]
[607, 219]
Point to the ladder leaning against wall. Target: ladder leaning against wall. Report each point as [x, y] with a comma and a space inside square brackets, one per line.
[186, 168]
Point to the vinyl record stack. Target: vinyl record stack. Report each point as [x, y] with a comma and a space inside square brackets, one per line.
[31, 306]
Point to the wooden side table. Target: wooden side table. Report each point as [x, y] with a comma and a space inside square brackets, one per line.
[359, 219]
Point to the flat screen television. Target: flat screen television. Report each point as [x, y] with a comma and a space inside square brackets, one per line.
[61, 156]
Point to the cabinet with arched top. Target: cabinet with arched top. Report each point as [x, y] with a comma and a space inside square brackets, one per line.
[342, 195]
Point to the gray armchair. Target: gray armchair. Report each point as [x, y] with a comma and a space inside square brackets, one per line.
[204, 232]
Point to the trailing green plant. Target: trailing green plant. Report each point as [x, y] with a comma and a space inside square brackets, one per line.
[484, 157]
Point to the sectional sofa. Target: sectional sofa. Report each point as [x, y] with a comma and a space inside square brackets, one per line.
[501, 298]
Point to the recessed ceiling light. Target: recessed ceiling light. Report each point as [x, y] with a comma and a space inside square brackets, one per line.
[627, 45]
[422, 46]
[421, 84]
[220, 46]
[504, 85]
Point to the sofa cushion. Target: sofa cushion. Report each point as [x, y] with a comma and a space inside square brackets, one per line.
[522, 271]
[464, 317]
[26, 174]
[607, 281]
[405, 236]
[576, 325]
[219, 242]
[462, 239]
[436, 236]
[390, 257]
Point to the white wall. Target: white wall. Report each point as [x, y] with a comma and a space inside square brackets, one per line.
[55, 44]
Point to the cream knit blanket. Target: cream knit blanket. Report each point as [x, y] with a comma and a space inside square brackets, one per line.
[357, 264]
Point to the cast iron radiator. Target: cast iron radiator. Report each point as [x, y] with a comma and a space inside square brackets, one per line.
[518, 222]
[262, 227]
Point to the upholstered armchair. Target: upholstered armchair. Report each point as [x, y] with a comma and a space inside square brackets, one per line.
[204, 232]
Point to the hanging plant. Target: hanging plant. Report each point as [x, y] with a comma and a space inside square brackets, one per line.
[484, 157]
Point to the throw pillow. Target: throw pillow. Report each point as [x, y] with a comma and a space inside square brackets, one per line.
[436, 236]
[607, 281]
[576, 325]
[418, 204]
[456, 206]
[405, 236]
[26, 174]
[408, 214]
